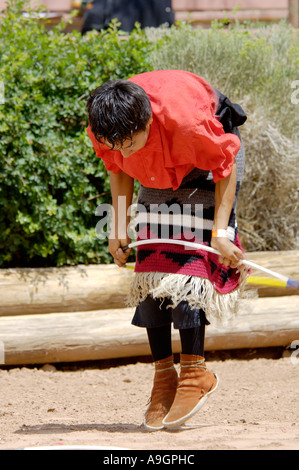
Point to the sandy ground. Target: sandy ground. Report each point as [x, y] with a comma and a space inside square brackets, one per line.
[102, 404]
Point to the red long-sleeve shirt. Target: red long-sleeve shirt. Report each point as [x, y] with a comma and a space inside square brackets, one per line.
[185, 133]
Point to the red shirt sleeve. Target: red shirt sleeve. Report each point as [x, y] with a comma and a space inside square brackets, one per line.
[217, 150]
[104, 153]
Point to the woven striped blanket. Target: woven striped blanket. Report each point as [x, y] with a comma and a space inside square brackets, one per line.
[180, 273]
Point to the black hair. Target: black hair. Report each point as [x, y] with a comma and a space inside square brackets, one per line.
[116, 110]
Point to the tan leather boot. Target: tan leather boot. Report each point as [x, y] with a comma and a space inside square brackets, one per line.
[163, 393]
[195, 384]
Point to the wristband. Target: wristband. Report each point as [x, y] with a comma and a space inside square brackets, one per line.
[220, 233]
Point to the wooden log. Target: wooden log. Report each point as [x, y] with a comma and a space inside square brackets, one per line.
[197, 5]
[106, 334]
[95, 287]
[205, 11]
[206, 17]
[294, 13]
[283, 262]
[66, 289]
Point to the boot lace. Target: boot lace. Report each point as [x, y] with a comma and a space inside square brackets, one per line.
[193, 364]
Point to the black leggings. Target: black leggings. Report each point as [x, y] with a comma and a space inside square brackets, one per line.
[192, 341]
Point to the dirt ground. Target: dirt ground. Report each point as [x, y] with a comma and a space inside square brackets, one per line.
[102, 404]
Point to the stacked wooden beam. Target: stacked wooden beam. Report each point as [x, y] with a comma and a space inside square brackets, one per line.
[79, 313]
[202, 12]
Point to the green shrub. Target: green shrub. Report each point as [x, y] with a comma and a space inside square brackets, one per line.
[51, 180]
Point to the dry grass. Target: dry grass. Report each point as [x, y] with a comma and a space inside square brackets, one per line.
[268, 204]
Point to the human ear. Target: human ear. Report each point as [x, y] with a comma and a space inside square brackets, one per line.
[149, 122]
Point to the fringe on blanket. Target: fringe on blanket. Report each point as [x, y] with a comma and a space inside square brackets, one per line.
[197, 291]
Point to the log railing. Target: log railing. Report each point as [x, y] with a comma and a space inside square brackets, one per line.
[204, 11]
[80, 313]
